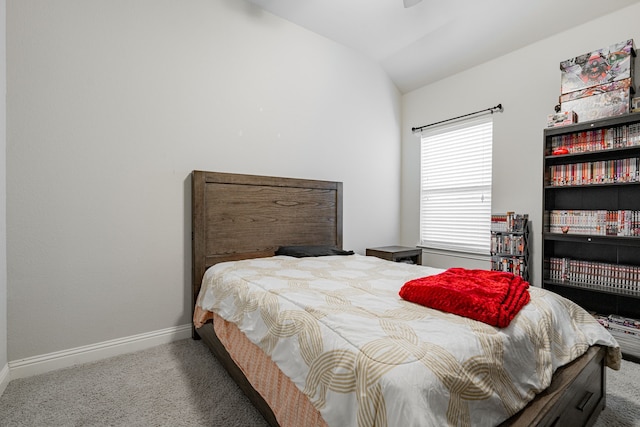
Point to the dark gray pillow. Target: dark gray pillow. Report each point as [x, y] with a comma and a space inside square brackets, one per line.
[310, 251]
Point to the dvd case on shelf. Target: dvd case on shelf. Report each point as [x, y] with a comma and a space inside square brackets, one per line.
[509, 240]
[562, 118]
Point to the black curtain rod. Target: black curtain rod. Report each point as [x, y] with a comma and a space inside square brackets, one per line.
[491, 110]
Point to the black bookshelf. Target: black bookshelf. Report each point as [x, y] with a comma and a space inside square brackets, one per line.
[591, 218]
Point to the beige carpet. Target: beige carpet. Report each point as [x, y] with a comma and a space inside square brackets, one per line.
[623, 397]
[176, 384]
[182, 384]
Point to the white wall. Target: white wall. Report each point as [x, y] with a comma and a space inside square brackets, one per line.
[527, 83]
[4, 376]
[112, 103]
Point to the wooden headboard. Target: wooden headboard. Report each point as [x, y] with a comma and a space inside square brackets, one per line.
[247, 216]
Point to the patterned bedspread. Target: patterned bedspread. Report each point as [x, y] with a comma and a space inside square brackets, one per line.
[365, 357]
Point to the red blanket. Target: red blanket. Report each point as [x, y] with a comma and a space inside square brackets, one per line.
[492, 297]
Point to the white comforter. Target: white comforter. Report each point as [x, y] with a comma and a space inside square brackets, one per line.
[337, 327]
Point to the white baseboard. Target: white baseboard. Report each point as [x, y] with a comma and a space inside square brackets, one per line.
[4, 378]
[90, 353]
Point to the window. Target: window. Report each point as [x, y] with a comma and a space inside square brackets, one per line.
[455, 190]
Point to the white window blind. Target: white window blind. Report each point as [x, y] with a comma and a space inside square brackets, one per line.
[455, 191]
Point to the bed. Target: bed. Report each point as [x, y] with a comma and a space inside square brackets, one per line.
[245, 219]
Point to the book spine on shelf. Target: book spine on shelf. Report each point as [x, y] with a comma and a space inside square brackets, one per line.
[624, 279]
[621, 327]
[599, 139]
[622, 223]
[596, 172]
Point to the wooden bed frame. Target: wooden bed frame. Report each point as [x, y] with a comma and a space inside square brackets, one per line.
[238, 217]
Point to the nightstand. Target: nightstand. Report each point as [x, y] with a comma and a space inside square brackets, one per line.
[397, 254]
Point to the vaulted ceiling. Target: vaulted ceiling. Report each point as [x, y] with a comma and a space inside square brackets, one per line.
[436, 38]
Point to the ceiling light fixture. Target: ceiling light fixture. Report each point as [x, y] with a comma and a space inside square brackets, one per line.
[409, 3]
